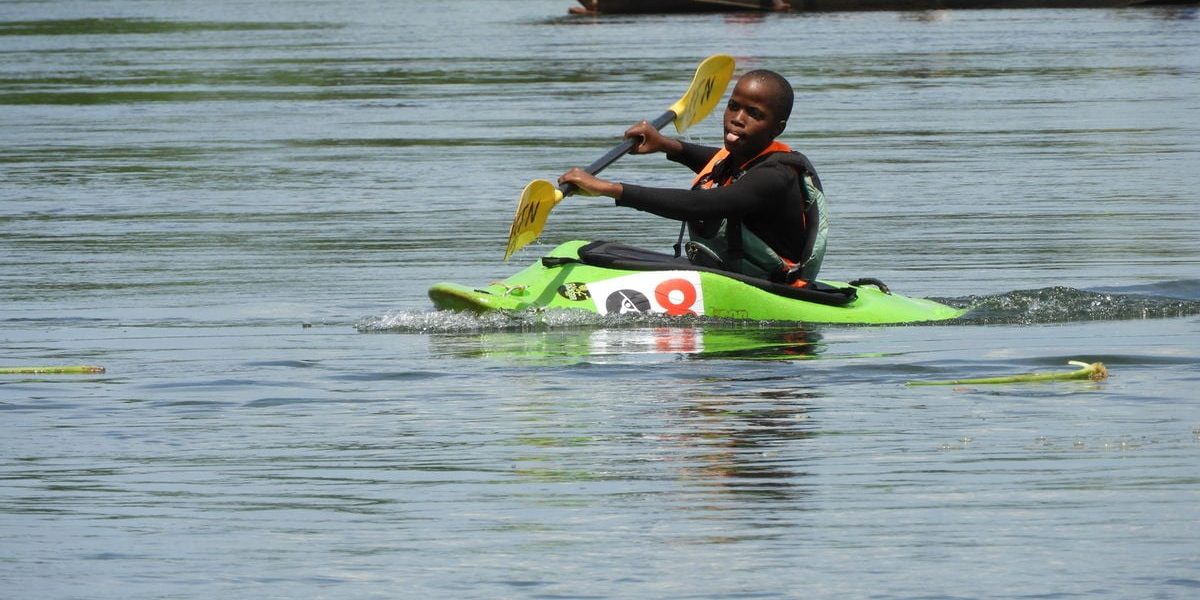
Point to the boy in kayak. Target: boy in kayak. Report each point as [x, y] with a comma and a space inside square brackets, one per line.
[755, 206]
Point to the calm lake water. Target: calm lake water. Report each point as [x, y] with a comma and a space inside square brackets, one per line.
[237, 206]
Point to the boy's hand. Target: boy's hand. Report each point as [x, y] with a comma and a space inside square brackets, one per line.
[590, 185]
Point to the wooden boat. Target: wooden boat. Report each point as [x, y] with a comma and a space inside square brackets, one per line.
[597, 7]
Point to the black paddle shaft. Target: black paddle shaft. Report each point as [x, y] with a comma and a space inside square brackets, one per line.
[620, 150]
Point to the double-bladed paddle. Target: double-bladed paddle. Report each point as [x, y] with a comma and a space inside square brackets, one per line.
[540, 196]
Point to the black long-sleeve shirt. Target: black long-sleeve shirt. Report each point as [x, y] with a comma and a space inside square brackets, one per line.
[768, 199]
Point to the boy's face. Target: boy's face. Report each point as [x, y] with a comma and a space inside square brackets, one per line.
[751, 123]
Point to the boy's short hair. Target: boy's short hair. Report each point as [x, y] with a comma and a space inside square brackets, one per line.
[783, 100]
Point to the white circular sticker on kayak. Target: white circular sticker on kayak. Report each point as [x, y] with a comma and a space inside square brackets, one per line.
[674, 293]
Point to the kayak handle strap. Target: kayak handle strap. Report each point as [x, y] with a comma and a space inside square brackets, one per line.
[552, 262]
[871, 281]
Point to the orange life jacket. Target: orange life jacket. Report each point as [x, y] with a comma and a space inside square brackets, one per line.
[705, 179]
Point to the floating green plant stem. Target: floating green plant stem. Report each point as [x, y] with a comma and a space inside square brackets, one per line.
[1094, 371]
[69, 370]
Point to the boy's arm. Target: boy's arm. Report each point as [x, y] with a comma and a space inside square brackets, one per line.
[693, 156]
[757, 189]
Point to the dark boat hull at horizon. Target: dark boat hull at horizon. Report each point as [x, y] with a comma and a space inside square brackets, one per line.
[701, 6]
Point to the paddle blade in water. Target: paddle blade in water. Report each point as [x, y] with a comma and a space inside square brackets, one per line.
[536, 201]
[703, 95]
[53, 370]
[1094, 371]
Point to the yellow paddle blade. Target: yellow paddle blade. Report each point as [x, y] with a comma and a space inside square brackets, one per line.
[703, 95]
[536, 201]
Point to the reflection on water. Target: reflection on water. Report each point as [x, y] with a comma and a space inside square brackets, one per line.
[746, 446]
[597, 344]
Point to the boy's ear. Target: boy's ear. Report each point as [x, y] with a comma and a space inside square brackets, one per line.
[779, 127]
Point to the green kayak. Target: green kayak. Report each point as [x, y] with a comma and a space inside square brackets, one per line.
[611, 278]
